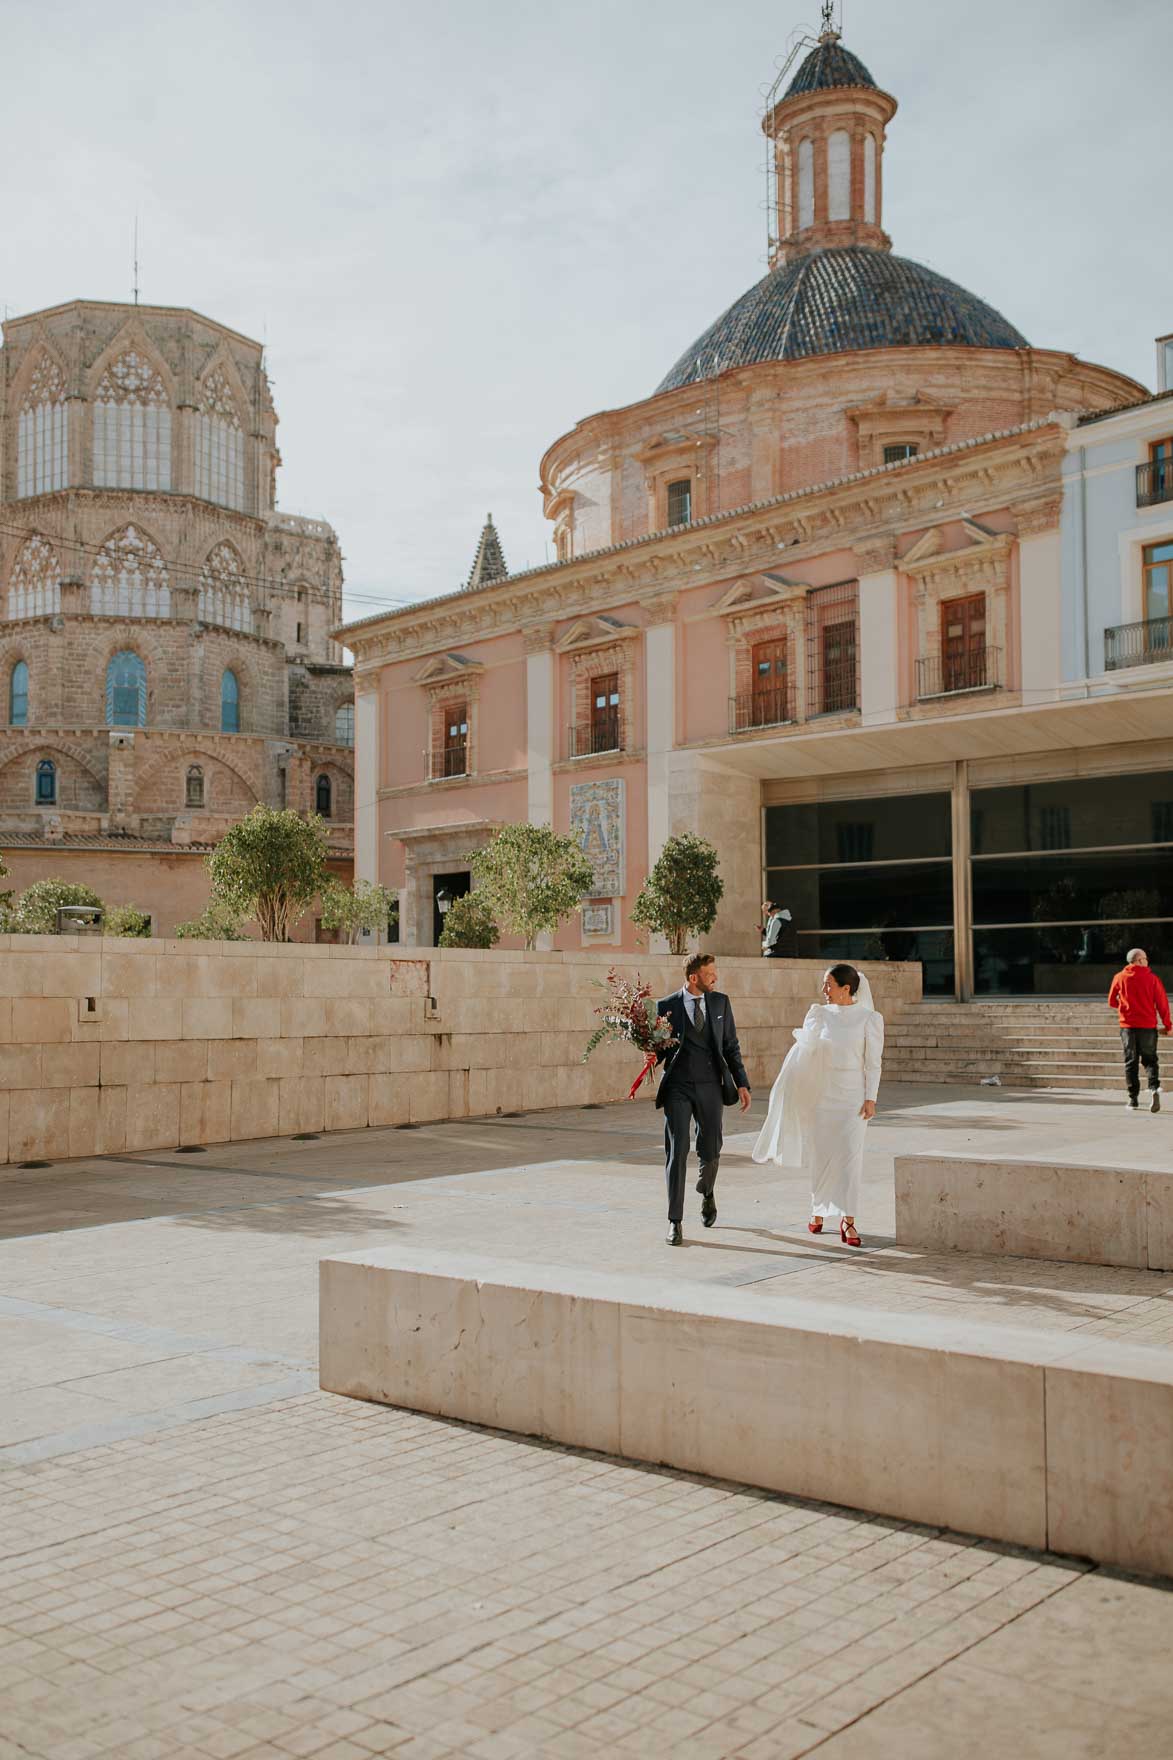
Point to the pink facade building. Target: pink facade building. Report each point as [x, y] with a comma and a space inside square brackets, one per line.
[807, 600]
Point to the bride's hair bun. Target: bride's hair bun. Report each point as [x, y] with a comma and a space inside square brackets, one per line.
[845, 974]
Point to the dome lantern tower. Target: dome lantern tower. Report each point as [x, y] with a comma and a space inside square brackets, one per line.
[827, 134]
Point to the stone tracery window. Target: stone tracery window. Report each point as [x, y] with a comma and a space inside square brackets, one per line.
[219, 445]
[132, 427]
[34, 587]
[224, 597]
[42, 432]
[194, 789]
[129, 578]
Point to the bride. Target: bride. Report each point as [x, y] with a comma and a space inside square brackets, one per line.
[824, 1096]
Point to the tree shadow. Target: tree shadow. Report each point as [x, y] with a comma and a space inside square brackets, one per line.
[1008, 1284]
[323, 1217]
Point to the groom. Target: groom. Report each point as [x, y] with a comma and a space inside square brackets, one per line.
[702, 1074]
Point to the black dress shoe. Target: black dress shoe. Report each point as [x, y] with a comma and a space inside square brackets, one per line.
[1155, 1102]
[675, 1235]
[708, 1210]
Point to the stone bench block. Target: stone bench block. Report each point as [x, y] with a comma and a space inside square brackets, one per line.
[1035, 1210]
[1037, 1440]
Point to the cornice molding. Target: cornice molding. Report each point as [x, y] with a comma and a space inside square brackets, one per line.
[873, 506]
[595, 632]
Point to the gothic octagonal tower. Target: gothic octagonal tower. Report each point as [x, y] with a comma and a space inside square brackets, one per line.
[843, 357]
[165, 655]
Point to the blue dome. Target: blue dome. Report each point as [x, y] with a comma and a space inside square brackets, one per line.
[830, 64]
[832, 301]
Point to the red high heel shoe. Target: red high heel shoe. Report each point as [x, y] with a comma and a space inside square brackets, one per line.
[849, 1239]
[816, 1226]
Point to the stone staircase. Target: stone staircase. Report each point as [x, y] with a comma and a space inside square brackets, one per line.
[1027, 1044]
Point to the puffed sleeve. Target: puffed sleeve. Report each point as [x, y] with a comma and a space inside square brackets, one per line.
[873, 1054]
[814, 1016]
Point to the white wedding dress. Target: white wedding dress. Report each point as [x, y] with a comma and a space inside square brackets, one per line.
[813, 1124]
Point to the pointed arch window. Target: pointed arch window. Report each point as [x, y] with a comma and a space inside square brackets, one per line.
[46, 795]
[344, 725]
[229, 702]
[18, 695]
[219, 444]
[194, 790]
[323, 796]
[224, 596]
[132, 427]
[130, 578]
[126, 691]
[34, 587]
[42, 432]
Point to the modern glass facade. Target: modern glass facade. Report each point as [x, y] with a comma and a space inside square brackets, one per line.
[1064, 878]
[868, 880]
[1067, 876]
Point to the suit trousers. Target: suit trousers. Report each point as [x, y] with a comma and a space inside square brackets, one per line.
[684, 1102]
[1140, 1046]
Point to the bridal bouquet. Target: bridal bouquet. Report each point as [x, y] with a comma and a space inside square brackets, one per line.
[626, 1017]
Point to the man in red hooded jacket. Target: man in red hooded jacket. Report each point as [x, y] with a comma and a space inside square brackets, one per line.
[1139, 998]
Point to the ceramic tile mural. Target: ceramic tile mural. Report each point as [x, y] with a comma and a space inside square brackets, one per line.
[596, 819]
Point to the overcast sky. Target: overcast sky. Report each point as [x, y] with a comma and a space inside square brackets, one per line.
[460, 227]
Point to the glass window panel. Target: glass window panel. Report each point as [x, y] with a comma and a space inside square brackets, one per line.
[1080, 960]
[1101, 810]
[18, 695]
[860, 897]
[1071, 887]
[901, 828]
[932, 947]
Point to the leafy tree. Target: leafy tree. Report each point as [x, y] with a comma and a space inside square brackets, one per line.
[469, 923]
[217, 922]
[35, 910]
[271, 866]
[680, 896]
[367, 906]
[126, 919]
[531, 878]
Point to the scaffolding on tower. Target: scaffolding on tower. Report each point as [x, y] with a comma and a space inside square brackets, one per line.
[800, 38]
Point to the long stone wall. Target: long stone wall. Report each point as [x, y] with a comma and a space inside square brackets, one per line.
[113, 1046]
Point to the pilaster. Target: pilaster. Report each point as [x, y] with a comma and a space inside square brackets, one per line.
[540, 731]
[366, 779]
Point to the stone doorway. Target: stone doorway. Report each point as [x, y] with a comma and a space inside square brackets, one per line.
[446, 888]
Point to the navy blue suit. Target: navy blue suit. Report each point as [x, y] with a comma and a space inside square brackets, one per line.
[701, 1076]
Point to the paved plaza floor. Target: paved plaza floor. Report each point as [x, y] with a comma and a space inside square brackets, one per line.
[201, 1554]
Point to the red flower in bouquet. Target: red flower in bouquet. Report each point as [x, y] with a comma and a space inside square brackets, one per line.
[626, 1016]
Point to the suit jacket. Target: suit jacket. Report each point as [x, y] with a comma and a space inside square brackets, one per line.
[722, 1030]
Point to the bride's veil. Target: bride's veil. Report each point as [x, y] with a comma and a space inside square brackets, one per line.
[863, 995]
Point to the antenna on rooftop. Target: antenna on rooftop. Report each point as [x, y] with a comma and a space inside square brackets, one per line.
[136, 259]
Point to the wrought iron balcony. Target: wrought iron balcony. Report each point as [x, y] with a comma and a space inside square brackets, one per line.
[1154, 482]
[764, 708]
[603, 733]
[1138, 644]
[955, 675]
[447, 762]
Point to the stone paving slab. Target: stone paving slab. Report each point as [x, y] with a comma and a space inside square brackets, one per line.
[269, 1572]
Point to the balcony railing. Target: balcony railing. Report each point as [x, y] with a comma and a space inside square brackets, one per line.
[953, 675]
[604, 733]
[768, 708]
[448, 762]
[1138, 644]
[1154, 482]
